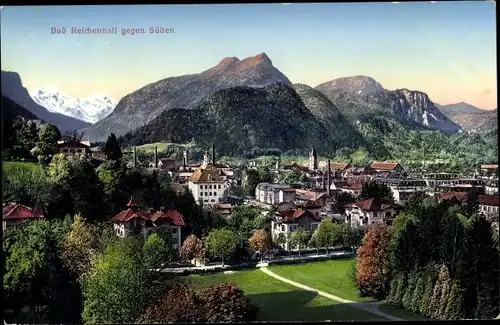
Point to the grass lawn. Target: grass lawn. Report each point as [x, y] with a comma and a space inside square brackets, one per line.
[328, 276]
[401, 313]
[278, 301]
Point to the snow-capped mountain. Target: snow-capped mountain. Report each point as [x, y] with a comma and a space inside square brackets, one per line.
[90, 109]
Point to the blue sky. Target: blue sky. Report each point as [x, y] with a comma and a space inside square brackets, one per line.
[446, 49]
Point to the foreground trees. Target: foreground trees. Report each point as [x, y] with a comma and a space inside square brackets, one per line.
[221, 243]
[261, 242]
[372, 267]
[441, 261]
[220, 303]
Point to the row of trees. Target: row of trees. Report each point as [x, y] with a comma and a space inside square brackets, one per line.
[437, 259]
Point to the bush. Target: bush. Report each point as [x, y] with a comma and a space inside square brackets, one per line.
[437, 293]
[409, 290]
[392, 292]
[400, 291]
[454, 302]
[418, 293]
[226, 303]
[426, 297]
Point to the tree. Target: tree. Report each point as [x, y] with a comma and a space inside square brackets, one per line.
[24, 183]
[35, 275]
[404, 244]
[299, 239]
[409, 290]
[372, 266]
[192, 248]
[81, 246]
[153, 194]
[425, 305]
[313, 243]
[439, 292]
[48, 135]
[226, 303]
[180, 304]
[352, 237]
[156, 252]
[112, 148]
[329, 234]
[252, 179]
[478, 270]
[115, 291]
[400, 291]
[376, 190]
[340, 199]
[280, 239]
[72, 136]
[261, 242]
[454, 302]
[221, 243]
[418, 293]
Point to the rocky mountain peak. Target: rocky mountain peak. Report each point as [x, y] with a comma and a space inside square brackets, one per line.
[359, 85]
[259, 59]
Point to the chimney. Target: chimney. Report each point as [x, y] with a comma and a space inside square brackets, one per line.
[213, 154]
[328, 179]
[156, 156]
[135, 157]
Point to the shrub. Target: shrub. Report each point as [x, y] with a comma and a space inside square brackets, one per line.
[409, 290]
[454, 302]
[426, 297]
[392, 291]
[400, 291]
[418, 293]
[226, 303]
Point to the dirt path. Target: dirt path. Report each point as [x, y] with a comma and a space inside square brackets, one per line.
[371, 307]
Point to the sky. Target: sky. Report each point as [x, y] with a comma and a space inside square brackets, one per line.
[445, 49]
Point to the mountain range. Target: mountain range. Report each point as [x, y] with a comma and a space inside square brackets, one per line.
[471, 118]
[90, 109]
[13, 89]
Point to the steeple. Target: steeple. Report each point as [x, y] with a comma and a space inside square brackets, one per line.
[131, 204]
[313, 160]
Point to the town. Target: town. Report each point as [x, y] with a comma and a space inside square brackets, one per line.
[256, 215]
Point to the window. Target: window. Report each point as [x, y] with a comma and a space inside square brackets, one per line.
[212, 200]
[201, 193]
[201, 186]
[79, 150]
[209, 187]
[282, 227]
[219, 187]
[205, 200]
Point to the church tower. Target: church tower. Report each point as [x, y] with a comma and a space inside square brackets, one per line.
[206, 159]
[313, 160]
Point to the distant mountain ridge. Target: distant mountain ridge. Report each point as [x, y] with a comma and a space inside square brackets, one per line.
[240, 119]
[188, 91]
[90, 109]
[13, 89]
[361, 95]
[471, 118]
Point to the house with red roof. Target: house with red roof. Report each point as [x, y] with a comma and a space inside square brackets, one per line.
[488, 205]
[373, 211]
[134, 222]
[287, 221]
[380, 167]
[17, 214]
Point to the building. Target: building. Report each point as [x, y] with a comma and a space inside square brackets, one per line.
[134, 222]
[313, 160]
[379, 167]
[488, 206]
[435, 179]
[457, 196]
[80, 148]
[224, 209]
[208, 185]
[403, 188]
[289, 221]
[352, 188]
[491, 187]
[274, 194]
[371, 212]
[17, 214]
[489, 171]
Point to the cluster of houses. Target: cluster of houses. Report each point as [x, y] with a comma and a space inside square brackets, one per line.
[291, 207]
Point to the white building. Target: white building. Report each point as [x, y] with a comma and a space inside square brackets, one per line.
[208, 184]
[274, 193]
[403, 188]
[371, 212]
[491, 188]
[289, 221]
